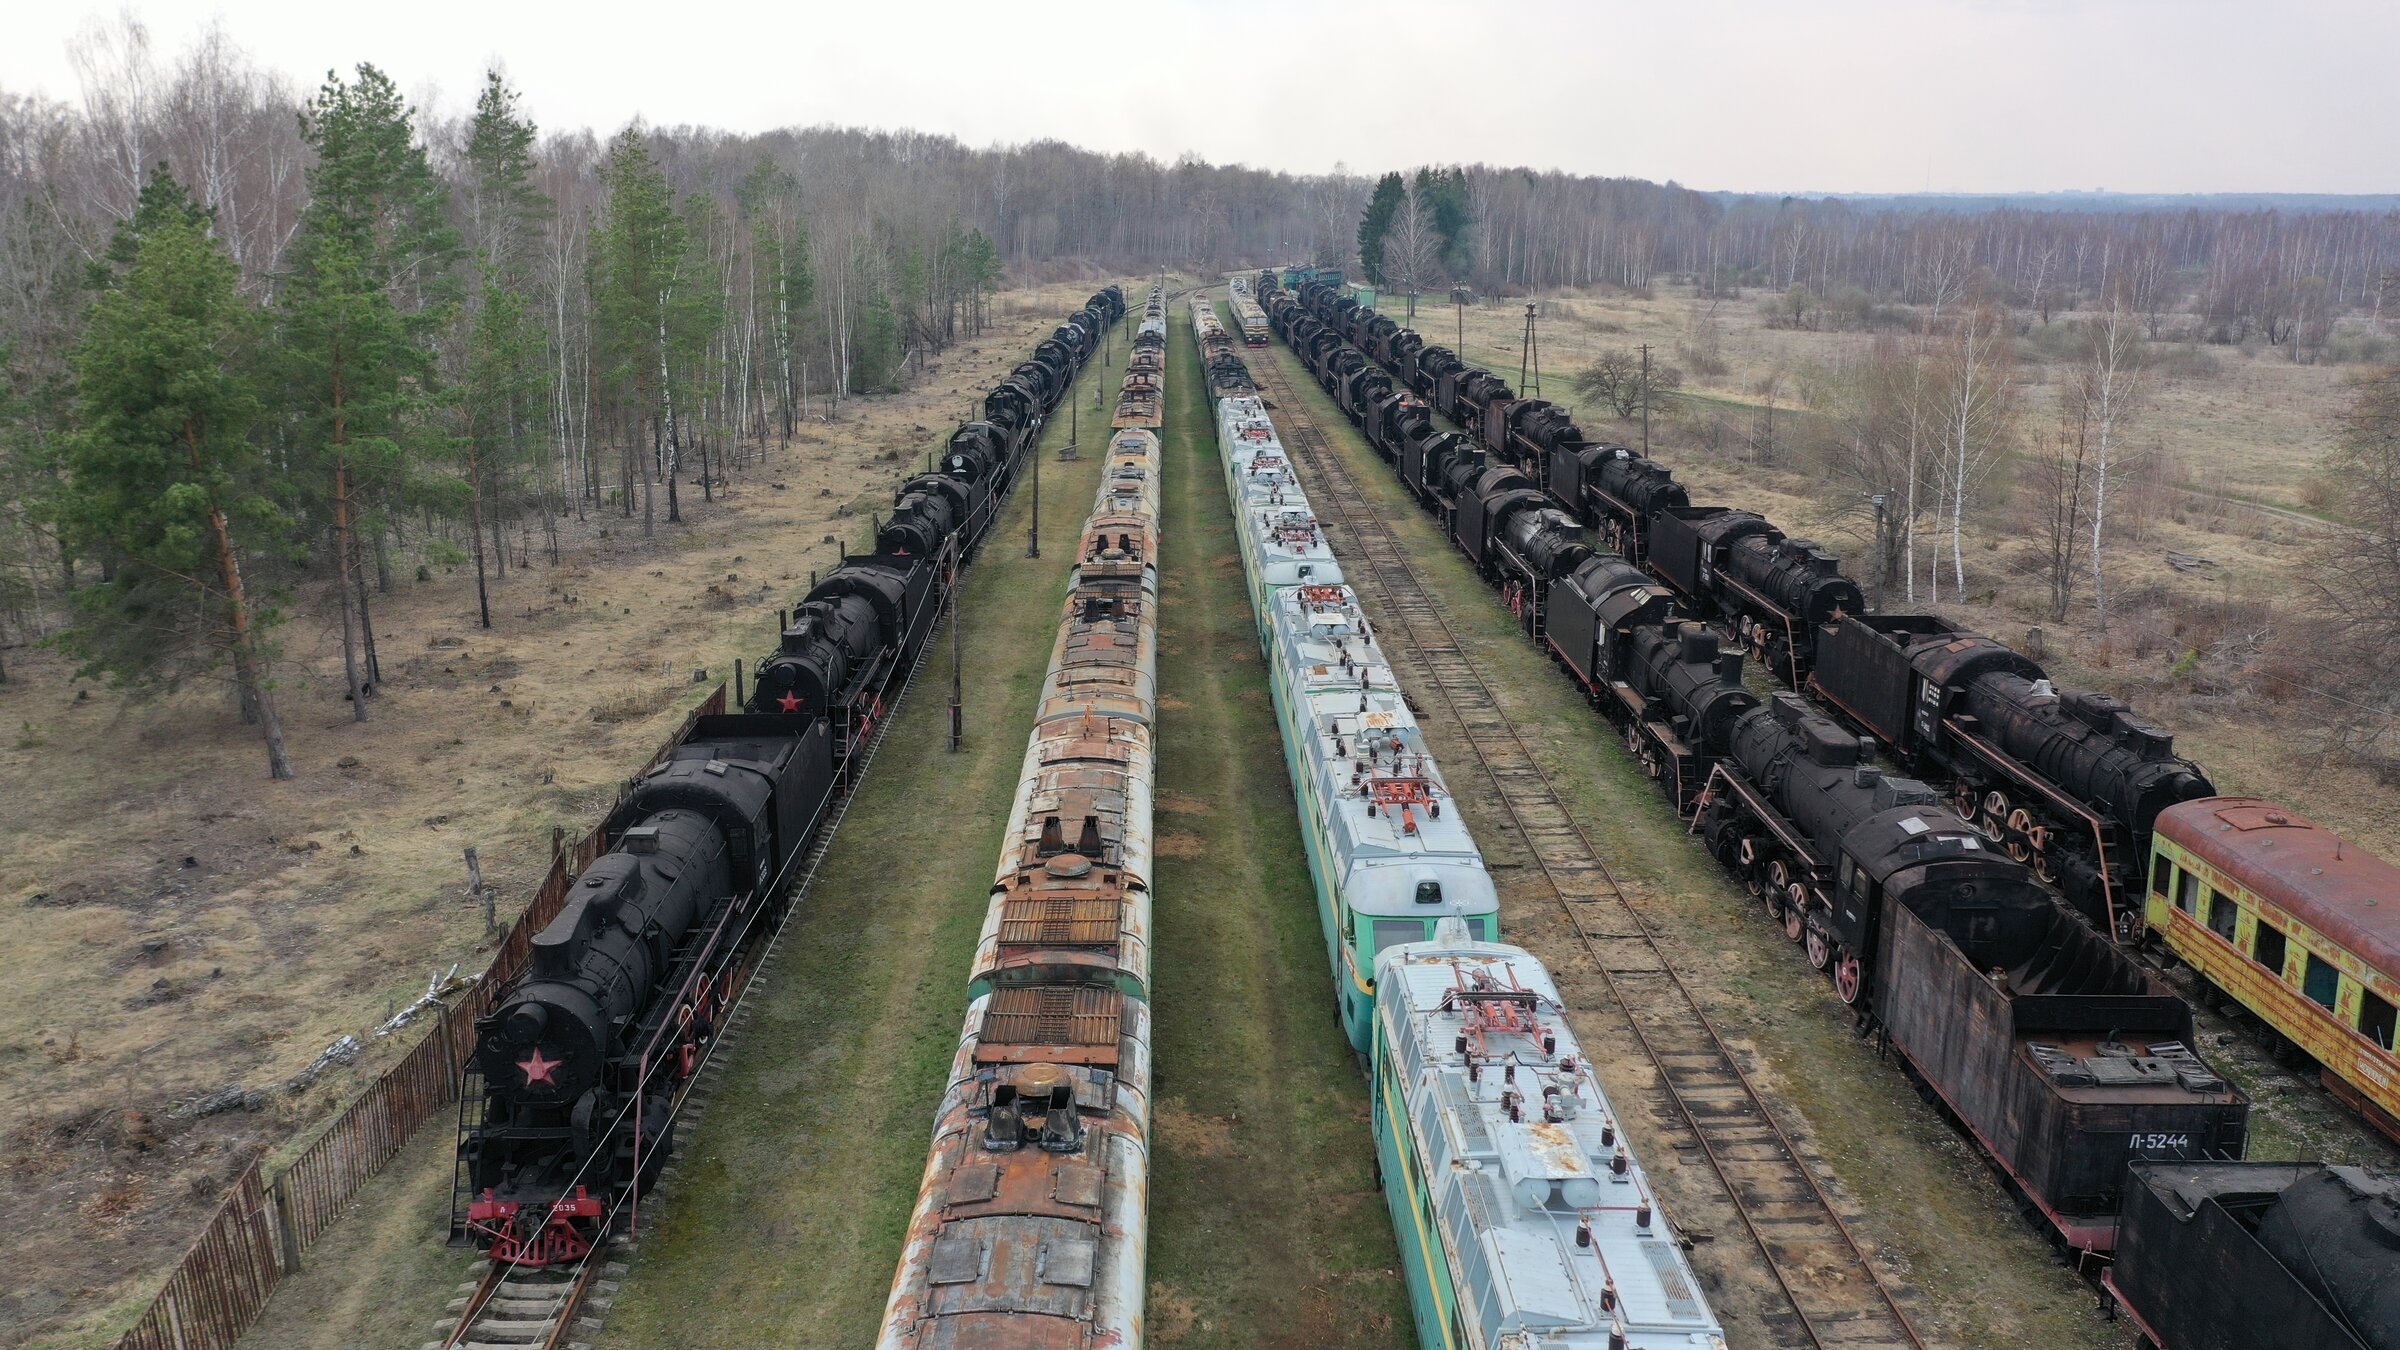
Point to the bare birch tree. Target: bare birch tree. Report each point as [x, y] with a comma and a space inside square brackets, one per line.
[2105, 394]
[1976, 405]
[1412, 250]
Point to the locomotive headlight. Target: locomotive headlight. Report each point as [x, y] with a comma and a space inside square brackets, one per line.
[526, 1022]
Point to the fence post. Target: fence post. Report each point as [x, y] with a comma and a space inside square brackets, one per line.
[279, 1218]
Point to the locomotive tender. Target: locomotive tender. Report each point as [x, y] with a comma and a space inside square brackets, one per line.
[1032, 1220]
[2260, 1256]
[580, 1068]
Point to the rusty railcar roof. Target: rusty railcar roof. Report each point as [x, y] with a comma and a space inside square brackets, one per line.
[2325, 881]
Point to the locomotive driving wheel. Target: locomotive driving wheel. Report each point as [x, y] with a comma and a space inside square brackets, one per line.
[1849, 978]
[1795, 911]
[1746, 854]
[1819, 942]
[2020, 834]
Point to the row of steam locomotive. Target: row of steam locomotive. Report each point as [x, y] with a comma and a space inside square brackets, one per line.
[1032, 1220]
[1474, 1074]
[2068, 782]
[581, 1067]
[2063, 1057]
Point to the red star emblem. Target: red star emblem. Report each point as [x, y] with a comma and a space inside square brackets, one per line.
[790, 702]
[540, 1070]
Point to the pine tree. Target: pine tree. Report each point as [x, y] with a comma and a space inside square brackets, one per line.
[637, 258]
[1444, 192]
[370, 285]
[503, 206]
[501, 382]
[164, 478]
[504, 372]
[1390, 192]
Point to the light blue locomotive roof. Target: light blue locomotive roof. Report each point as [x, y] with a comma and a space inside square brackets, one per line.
[1521, 1154]
[1390, 822]
[1279, 528]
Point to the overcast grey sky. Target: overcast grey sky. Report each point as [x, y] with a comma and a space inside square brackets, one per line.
[1839, 95]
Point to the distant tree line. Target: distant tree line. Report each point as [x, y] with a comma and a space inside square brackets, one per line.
[398, 339]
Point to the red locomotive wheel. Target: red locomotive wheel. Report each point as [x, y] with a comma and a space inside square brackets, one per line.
[1820, 942]
[1795, 911]
[1849, 978]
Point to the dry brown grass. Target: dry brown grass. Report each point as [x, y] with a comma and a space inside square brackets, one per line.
[2221, 427]
[176, 923]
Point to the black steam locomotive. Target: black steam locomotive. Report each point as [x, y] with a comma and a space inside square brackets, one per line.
[2260, 1256]
[579, 1069]
[2070, 782]
[583, 1062]
[2061, 1055]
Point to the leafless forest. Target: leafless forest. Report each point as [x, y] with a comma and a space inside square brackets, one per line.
[811, 264]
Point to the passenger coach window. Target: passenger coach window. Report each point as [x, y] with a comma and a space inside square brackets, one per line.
[2322, 981]
[2162, 875]
[2267, 948]
[2187, 893]
[2375, 1019]
[2221, 915]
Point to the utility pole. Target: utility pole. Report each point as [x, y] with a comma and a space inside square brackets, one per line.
[1645, 399]
[1880, 578]
[1525, 352]
[1033, 539]
[958, 716]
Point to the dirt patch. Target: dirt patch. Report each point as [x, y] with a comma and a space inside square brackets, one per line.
[1174, 844]
[1193, 1132]
[1170, 1316]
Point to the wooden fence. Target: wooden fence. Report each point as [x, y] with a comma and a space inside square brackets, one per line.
[258, 1232]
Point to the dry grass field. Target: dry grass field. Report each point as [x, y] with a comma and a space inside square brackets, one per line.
[178, 925]
[2216, 654]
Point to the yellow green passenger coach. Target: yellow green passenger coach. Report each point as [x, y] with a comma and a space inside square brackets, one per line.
[2294, 923]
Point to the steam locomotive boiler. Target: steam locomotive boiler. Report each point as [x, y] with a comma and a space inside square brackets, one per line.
[2069, 782]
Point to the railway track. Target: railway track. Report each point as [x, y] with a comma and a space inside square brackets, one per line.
[1835, 1295]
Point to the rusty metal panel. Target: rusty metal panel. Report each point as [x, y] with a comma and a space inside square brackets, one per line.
[1060, 921]
[1066, 1017]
